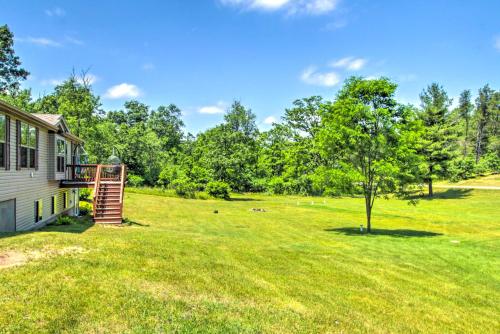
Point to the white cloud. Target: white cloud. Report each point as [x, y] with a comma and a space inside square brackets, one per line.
[73, 40]
[148, 66]
[42, 41]
[218, 108]
[312, 77]
[313, 7]
[335, 25]
[270, 120]
[350, 63]
[52, 82]
[123, 90]
[496, 43]
[57, 11]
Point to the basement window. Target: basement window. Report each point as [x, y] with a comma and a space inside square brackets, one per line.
[38, 211]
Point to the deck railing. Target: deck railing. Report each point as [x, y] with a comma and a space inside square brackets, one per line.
[81, 173]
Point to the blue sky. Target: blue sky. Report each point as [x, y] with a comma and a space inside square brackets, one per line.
[203, 54]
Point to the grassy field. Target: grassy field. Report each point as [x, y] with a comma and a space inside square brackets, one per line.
[300, 266]
[489, 180]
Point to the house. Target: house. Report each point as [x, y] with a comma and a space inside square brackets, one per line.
[40, 174]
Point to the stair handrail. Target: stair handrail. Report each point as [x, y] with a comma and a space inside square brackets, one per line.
[97, 184]
[122, 183]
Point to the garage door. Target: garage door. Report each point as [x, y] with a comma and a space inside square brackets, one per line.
[8, 216]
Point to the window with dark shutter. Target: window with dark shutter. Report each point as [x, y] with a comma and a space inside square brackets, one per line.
[18, 144]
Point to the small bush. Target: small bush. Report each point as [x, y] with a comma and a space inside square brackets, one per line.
[85, 194]
[184, 187]
[62, 220]
[276, 185]
[135, 180]
[85, 208]
[218, 189]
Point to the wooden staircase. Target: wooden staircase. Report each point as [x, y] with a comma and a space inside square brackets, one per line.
[108, 194]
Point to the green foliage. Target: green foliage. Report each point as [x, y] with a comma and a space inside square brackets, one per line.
[184, 187]
[439, 145]
[85, 208]
[371, 139]
[11, 72]
[218, 189]
[62, 221]
[85, 194]
[135, 180]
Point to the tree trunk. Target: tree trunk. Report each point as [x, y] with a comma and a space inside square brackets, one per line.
[431, 192]
[368, 214]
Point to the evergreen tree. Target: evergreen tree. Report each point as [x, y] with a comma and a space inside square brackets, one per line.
[439, 136]
[465, 110]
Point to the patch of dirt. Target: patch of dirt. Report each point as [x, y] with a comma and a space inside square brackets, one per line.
[10, 259]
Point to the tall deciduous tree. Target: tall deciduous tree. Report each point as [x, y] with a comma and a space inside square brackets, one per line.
[439, 136]
[465, 108]
[11, 72]
[371, 138]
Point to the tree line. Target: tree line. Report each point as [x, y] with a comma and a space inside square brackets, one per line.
[362, 142]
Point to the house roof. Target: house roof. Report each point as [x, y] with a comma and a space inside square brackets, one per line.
[49, 118]
[51, 122]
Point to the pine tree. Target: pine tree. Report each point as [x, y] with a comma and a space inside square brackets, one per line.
[483, 116]
[439, 136]
[465, 109]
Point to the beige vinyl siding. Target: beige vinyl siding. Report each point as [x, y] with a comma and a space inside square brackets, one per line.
[28, 185]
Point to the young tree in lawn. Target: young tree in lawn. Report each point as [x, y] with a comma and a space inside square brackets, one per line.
[465, 108]
[371, 139]
[11, 72]
[440, 135]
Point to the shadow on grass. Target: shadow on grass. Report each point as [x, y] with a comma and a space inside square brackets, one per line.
[244, 199]
[128, 222]
[402, 233]
[82, 225]
[448, 194]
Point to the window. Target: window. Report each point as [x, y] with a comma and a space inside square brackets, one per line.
[61, 155]
[53, 205]
[28, 146]
[3, 139]
[65, 199]
[38, 210]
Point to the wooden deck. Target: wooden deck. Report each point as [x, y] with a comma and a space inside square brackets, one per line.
[108, 182]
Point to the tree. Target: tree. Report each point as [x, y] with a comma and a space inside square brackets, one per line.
[166, 122]
[11, 72]
[228, 152]
[440, 135]
[483, 115]
[465, 108]
[371, 139]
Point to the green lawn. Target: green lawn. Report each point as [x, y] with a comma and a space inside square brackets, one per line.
[298, 267]
[489, 180]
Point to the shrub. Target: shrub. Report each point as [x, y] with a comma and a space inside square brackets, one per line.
[462, 169]
[85, 208]
[85, 194]
[218, 189]
[62, 220]
[168, 175]
[184, 187]
[276, 186]
[135, 180]
[259, 185]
